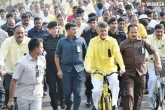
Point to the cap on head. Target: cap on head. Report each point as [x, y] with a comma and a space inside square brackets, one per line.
[52, 24]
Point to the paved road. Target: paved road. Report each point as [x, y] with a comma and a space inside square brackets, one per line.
[46, 102]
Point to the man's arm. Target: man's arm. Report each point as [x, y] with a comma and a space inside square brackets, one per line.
[57, 61]
[158, 62]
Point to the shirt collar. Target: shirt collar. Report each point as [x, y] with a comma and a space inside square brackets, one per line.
[128, 40]
[99, 39]
[42, 29]
[30, 58]
[74, 38]
[163, 38]
[23, 42]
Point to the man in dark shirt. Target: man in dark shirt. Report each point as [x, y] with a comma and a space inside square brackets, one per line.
[88, 34]
[10, 24]
[50, 44]
[37, 31]
[133, 52]
[70, 68]
[113, 32]
[4, 26]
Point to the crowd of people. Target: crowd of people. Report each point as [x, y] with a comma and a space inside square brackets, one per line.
[60, 42]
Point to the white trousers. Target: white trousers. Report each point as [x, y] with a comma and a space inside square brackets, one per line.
[24, 104]
[98, 88]
[151, 81]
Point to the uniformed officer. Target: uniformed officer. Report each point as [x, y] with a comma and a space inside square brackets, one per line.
[88, 34]
[50, 43]
[27, 80]
[114, 32]
[133, 52]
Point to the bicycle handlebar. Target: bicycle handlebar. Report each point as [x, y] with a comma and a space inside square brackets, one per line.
[103, 74]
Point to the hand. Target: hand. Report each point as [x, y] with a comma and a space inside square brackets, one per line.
[122, 71]
[3, 73]
[158, 68]
[10, 104]
[60, 74]
[88, 72]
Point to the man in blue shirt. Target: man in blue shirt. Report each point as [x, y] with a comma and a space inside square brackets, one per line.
[70, 67]
[38, 31]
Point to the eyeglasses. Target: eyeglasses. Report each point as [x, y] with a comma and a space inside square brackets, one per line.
[161, 46]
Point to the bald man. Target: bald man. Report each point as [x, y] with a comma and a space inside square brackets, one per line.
[46, 15]
[9, 26]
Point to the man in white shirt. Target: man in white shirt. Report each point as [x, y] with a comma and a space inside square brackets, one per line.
[46, 15]
[3, 17]
[37, 10]
[27, 5]
[26, 21]
[80, 25]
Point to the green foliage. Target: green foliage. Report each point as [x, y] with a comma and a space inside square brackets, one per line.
[3, 3]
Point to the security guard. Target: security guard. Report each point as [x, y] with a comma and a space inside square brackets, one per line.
[50, 42]
[113, 32]
[88, 34]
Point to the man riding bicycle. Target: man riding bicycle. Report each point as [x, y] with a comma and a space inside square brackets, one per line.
[101, 55]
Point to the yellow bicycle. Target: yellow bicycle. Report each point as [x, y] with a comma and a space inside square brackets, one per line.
[105, 102]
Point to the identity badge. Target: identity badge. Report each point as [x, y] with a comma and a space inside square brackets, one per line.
[78, 48]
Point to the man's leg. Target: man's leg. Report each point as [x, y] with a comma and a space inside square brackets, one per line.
[67, 87]
[51, 81]
[114, 87]
[96, 91]
[151, 86]
[128, 100]
[89, 87]
[138, 91]
[36, 104]
[76, 85]
[23, 104]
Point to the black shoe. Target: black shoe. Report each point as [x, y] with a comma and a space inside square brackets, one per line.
[88, 103]
[94, 108]
[62, 105]
[68, 108]
[114, 108]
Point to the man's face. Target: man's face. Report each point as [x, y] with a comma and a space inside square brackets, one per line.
[14, 14]
[103, 32]
[155, 16]
[106, 16]
[159, 33]
[78, 20]
[74, 11]
[45, 11]
[126, 18]
[54, 30]
[57, 12]
[19, 34]
[121, 25]
[134, 20]
[140, 8]
[21, 11]
[133, 33]
[93, 24]
[129, 12]
[113, 26]
[25, 21]
[150, 15]
[72, 31]
[37, 7]
[3, 15]
[82, 15]
[71, 4]
[38, 24]
[162, 8]
[60, 21]
[162, 17]
[27, 1]
[10, 26]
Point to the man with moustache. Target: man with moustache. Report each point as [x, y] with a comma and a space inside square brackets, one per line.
[157, 40]
[11, 50]
[106, 14]
[10, 27]
[101, 55]
[133, 52]
[113, 32]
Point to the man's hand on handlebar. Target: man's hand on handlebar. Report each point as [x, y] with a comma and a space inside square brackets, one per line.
[122, 71]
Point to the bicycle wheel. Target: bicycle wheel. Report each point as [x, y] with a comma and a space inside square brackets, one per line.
[162, 99]
[108, 104]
